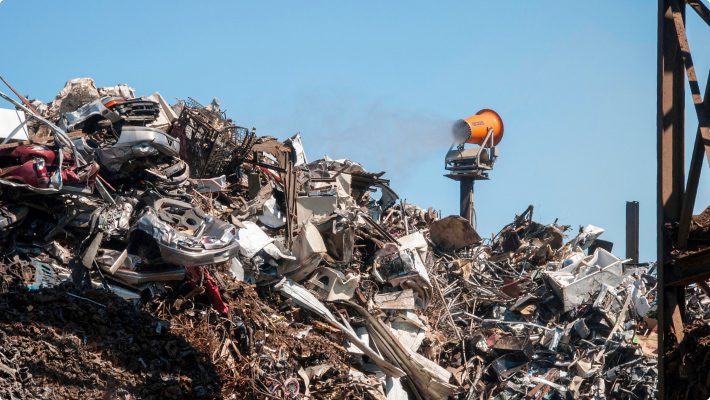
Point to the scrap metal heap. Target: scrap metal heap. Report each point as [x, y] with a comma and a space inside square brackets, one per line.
[157, 251]
[688, 362]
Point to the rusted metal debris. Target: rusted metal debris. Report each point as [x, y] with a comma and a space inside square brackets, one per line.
[201, 261]
[209, 140]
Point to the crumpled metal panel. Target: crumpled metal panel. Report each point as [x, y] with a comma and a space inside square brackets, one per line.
[138, 142]
[211, 241]
[94, 109]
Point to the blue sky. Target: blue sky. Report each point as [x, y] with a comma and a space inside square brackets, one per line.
[381, 82]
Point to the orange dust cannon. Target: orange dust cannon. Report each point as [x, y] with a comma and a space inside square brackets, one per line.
[484, 131]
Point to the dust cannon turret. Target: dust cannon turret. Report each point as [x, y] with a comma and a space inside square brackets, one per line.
[466, 164]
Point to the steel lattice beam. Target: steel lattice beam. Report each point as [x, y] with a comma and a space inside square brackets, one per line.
[675, 198]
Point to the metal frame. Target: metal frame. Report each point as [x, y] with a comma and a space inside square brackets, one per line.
[214, 149]
[675, 197]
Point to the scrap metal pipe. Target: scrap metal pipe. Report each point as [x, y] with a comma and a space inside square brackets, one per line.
[632, 231]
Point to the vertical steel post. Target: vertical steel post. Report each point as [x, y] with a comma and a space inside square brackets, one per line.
[670, 170]
[466, 199]
[632, 231]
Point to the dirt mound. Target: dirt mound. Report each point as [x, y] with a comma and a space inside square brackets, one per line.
[56, 345]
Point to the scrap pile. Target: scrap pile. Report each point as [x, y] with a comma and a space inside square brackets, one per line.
[161, 251]
[535, 317]
[688, 352]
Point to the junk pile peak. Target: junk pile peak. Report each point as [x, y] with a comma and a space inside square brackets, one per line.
[285, 277]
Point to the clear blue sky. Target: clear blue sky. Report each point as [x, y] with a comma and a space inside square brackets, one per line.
[381, 82]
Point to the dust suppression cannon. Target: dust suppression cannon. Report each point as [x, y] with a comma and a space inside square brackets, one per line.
[466, 164]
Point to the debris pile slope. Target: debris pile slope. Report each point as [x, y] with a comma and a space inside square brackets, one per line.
[687, 352]
[163, 251]
[54, 344]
